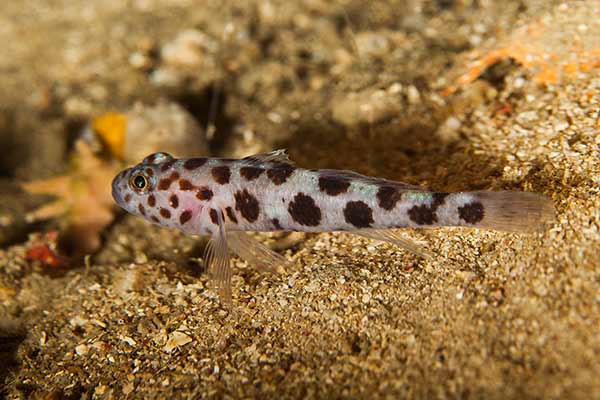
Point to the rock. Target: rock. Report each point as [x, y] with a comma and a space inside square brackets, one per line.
[191, 51]
[165, 127]
[372, 44]
[413, 95]
[449, 130]
[176, 339]
[366, 107]
[187, 48]
[81, 349]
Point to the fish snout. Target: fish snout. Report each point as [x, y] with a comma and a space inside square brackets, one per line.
[117, 187]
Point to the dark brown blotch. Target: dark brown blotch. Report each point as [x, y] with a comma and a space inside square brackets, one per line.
[304, 211]
[214, 216]
[204, 193]
[359, 214]
[167, 164]
[141, 209]
[426, 214]
[247, 205]
[194, 163]
[165, 213]
[184, 184]
[149, 172]
[231, 215]
[333, 185]
[164, 184]
[438, 199]
[185, 217]
[280, 173]
[154, 219]
[276, 224]
[174, 201]
[388, 196]
[471, 213]
[151, 200]
[127, 198]
[221, 174]
[251, 173]
[422, 215]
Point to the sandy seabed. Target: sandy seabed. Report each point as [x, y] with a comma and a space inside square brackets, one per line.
[345, 84]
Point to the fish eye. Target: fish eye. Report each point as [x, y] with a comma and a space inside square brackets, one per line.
[138, 182]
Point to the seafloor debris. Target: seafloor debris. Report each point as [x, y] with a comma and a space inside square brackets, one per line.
[191, 51]
[84, 204]
[556, 46]
[176, 339]
[43, 248]
[165, 126]
[367, 107]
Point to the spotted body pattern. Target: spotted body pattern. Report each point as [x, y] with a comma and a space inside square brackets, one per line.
[266, 192]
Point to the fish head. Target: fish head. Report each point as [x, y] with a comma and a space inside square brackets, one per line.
[135, 189]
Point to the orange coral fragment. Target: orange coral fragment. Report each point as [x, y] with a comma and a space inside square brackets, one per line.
[558, 46]
[111, 128]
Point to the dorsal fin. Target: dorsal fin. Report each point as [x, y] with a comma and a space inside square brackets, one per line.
[157, 158]
[279, 156]
[356, 177]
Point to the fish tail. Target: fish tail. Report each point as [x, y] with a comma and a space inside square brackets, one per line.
[503, 211]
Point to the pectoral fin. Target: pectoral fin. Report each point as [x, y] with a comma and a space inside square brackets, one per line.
[256, 253]
[216, 257]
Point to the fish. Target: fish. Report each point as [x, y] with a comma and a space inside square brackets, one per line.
[225, 198]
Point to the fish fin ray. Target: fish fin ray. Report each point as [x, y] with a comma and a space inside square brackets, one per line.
[279, 156]
[520, 212]
[394, 236]
[216, 257]
[256, 253]
[356, 177]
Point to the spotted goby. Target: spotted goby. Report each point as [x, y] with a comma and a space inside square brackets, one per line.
[267, 192]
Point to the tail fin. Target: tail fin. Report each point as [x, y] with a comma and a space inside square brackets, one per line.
[509, 211]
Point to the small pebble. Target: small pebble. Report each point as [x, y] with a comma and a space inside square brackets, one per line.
[81, 349]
